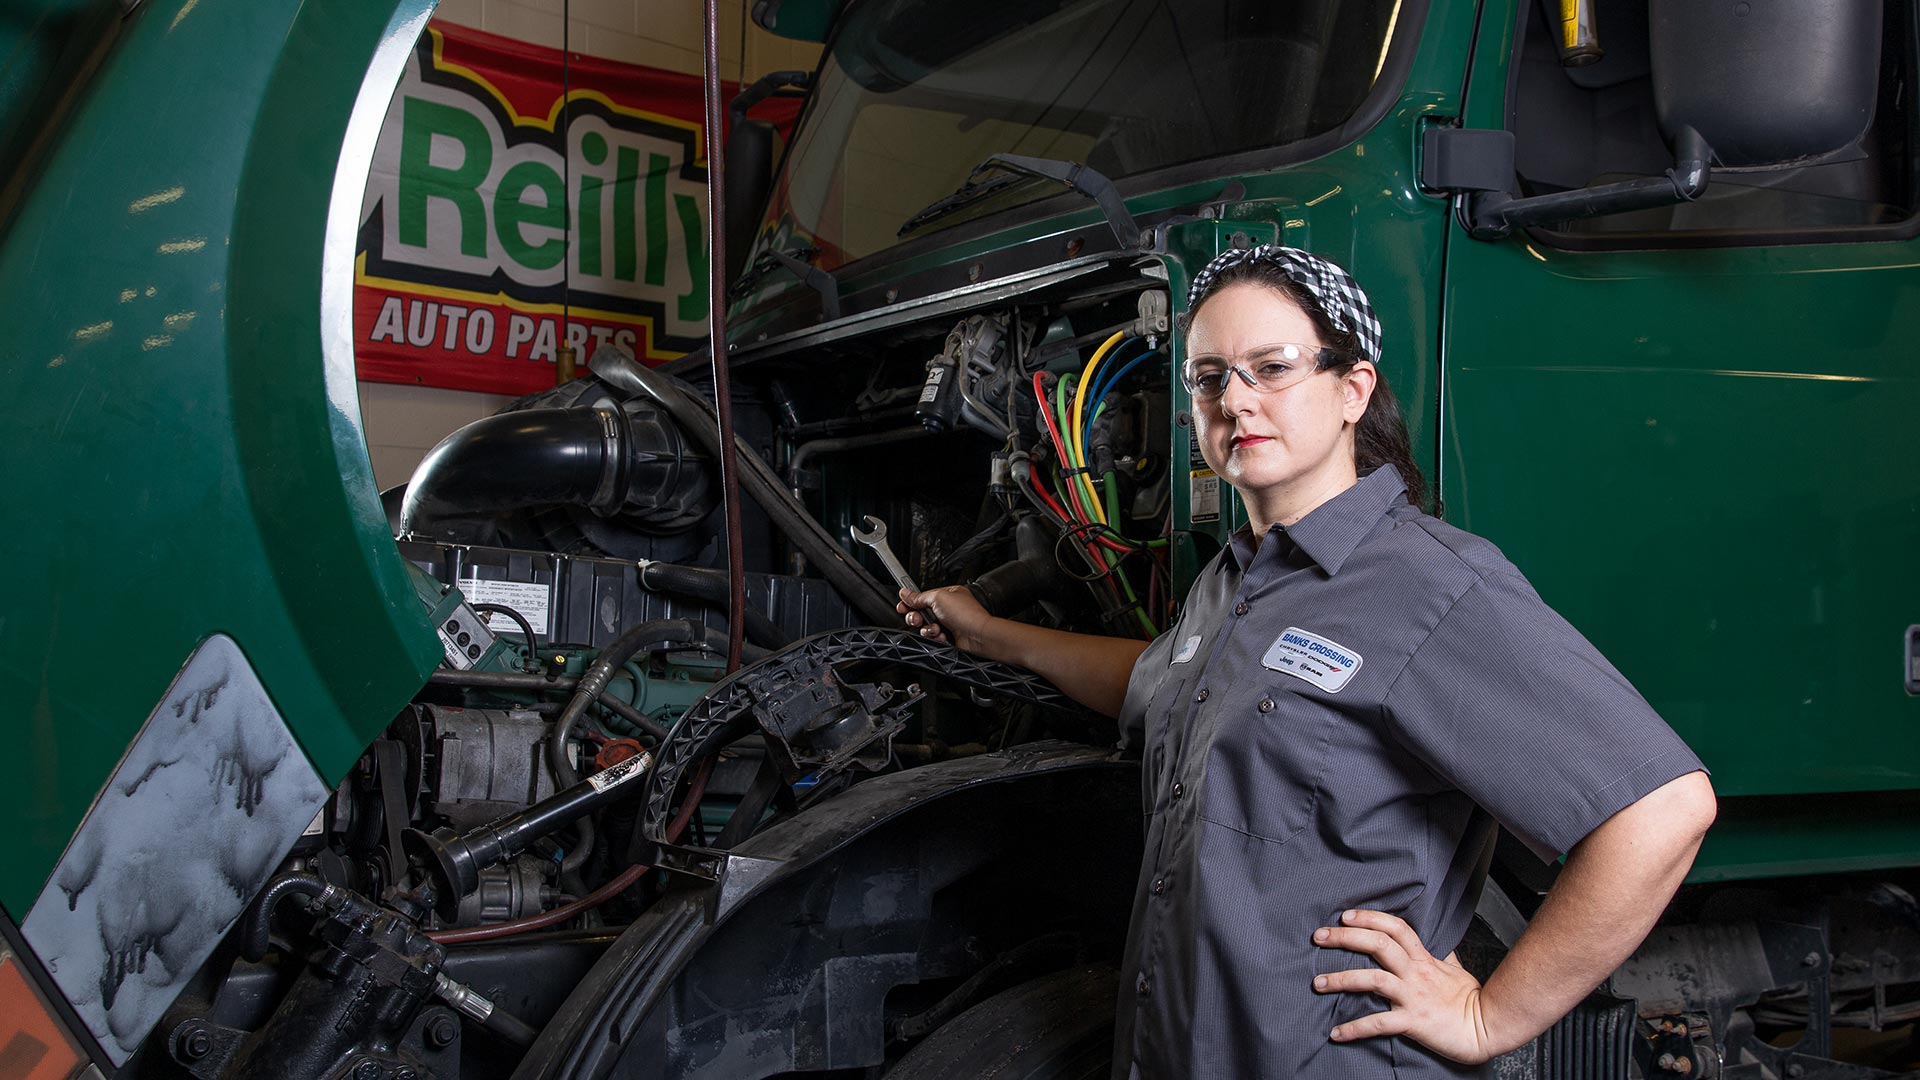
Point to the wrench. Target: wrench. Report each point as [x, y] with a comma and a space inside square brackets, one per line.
[875, 537]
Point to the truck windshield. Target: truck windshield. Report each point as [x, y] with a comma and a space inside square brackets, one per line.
[914, 93]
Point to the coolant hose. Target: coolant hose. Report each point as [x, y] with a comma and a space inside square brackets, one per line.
[710, 586]
[872, 600]
[647, 635]
[576, 856]
[255, 942]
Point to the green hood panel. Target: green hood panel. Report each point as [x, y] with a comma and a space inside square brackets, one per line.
[184, 436]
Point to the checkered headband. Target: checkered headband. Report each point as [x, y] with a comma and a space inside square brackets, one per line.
[1340, 297]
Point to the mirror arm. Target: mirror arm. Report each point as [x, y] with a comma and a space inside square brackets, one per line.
[1493, 214]
[764, 87]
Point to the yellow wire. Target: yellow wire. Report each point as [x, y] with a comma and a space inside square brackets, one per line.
[1080, 397]
[1075, 445]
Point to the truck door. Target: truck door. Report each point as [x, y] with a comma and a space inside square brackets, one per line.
[1696, 427]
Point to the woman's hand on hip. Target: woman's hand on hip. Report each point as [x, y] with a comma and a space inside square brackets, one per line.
[1435, 1002]
[948, 614]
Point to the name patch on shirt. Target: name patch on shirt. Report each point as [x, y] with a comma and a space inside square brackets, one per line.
[1187, 649]
[1326, 664]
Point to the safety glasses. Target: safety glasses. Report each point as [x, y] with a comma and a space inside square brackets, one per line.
[1266, 368]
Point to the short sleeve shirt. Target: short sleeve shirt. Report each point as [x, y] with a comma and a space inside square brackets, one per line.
[1341, 717]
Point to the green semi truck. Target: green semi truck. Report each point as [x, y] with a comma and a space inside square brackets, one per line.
[291, 797]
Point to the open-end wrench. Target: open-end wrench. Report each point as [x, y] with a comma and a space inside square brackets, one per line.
[875, 537]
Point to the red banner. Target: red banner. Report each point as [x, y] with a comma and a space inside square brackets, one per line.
[505, 217]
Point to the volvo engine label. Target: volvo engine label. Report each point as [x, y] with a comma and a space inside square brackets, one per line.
[530, 599]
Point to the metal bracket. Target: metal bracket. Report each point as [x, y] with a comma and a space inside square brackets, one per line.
[735, 875]
[1477, 166]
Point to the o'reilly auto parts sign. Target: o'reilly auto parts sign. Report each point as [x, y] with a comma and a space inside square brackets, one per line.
[505, 217]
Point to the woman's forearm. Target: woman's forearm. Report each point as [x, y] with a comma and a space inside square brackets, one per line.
[1088, 668]
[1615, 885]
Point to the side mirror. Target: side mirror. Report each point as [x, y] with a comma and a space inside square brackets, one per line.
[749, 178]
[1750, 85]
[1767, 83]
[749, 153]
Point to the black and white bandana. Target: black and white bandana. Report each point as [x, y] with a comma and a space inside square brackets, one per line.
[1340, 297]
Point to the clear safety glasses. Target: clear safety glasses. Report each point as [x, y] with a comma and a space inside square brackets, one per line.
[1266, 368]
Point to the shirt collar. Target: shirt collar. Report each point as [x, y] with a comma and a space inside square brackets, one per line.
[1331, 531]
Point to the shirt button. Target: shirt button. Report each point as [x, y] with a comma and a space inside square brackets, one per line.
[1202, 695]
[1266, 704]
[1240, 608]
[1179, 790]
[1142, 986]
[1159, 886]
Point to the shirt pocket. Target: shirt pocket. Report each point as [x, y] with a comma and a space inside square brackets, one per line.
[1267, 765]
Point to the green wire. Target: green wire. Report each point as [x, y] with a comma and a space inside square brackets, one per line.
[1082, 484]
[1085, 487]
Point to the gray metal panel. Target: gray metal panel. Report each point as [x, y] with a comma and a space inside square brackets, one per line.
[207, 802]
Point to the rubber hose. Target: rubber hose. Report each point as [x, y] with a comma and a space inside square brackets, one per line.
[624, 648]
[509, 1027]
[862, 590]
[576, 856]
[255, 943]
[710, 586]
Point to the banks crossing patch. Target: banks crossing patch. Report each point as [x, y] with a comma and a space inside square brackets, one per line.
[1304, 655]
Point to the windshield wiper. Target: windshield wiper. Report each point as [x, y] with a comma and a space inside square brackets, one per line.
[965, 195]
[1018, 167]
[799, 260]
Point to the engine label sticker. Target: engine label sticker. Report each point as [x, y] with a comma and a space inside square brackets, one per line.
[530, 598]
[1203, 496]
[210, 797]
[1187, 649]
[1324, 663]
[620, 772]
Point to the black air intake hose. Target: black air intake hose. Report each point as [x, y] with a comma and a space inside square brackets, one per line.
[871, 599]
[630, 462]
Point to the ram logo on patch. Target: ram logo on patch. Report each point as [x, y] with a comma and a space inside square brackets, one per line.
[1326, 664]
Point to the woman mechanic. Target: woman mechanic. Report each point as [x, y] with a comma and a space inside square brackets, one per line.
[1354, 695]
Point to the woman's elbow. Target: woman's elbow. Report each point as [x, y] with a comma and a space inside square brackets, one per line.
[1695, 805]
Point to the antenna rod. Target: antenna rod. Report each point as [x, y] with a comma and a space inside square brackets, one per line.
[717, 337]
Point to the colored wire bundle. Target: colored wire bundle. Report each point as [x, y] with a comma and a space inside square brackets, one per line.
[1087, 514]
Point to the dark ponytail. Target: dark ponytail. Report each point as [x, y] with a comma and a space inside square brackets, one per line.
[1380, 438]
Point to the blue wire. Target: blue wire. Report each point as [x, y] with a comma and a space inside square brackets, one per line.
[1100, 397]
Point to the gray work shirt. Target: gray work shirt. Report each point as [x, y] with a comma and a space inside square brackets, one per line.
[1338, 720]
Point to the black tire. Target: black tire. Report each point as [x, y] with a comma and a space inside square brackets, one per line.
[1057, 1027]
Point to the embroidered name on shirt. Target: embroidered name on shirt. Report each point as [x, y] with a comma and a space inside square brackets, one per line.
[1326, 664]
[1187, 649]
